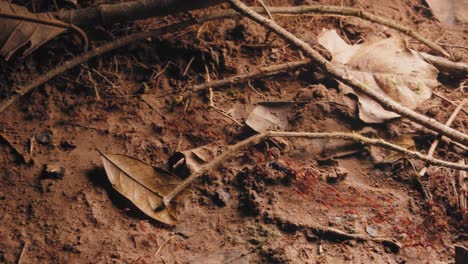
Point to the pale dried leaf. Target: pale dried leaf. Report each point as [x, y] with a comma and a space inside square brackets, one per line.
[16, 33]
[142, 184]
[387, 66]
[268, 116]
[449, 11]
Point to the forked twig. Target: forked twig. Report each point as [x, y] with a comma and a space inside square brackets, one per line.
[231, 150]
[342, 75]
[436, 142]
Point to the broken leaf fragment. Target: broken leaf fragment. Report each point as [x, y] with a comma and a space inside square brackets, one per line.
[386, 66]
[184, 163]
[142, 184]
[269, 116]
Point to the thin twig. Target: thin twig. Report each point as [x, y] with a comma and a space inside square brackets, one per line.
[436, 142]
[452, 46]
[462, 191]
[267, 10]
[231, 150]
[341, 74]
[221, 111]
[163, 244]
[448, 101]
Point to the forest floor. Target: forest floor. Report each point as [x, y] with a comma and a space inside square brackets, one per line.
[128, 102]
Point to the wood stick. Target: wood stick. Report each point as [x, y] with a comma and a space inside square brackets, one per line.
[462, 191]
[445, 65]
[231, 150]
[342, 75]
[436, 142]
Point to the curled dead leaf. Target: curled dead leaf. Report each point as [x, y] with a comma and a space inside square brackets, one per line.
[142, 184]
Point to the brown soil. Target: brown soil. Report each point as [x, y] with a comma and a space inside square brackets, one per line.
[264, 202]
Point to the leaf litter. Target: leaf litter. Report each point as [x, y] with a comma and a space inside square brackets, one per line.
[387, 66]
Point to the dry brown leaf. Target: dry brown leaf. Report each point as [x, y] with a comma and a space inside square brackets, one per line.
[17, 33]
[449, 11]
[269, 115]
[142, 184]
[387, 66]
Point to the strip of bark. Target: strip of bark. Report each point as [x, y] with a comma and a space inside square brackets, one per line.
[342, 75]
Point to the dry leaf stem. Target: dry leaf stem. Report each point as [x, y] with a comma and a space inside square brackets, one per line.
[436, 142]
[342, 75]
[231, 150]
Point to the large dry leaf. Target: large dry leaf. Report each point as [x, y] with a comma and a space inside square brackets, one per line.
[17, 33]
[142, 184]
[387, 66]
[269, 115]
[449, 11]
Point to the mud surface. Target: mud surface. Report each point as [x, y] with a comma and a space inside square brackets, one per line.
[265, 205]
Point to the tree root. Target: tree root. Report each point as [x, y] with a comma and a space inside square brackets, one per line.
[329, 233]
[342, 75]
